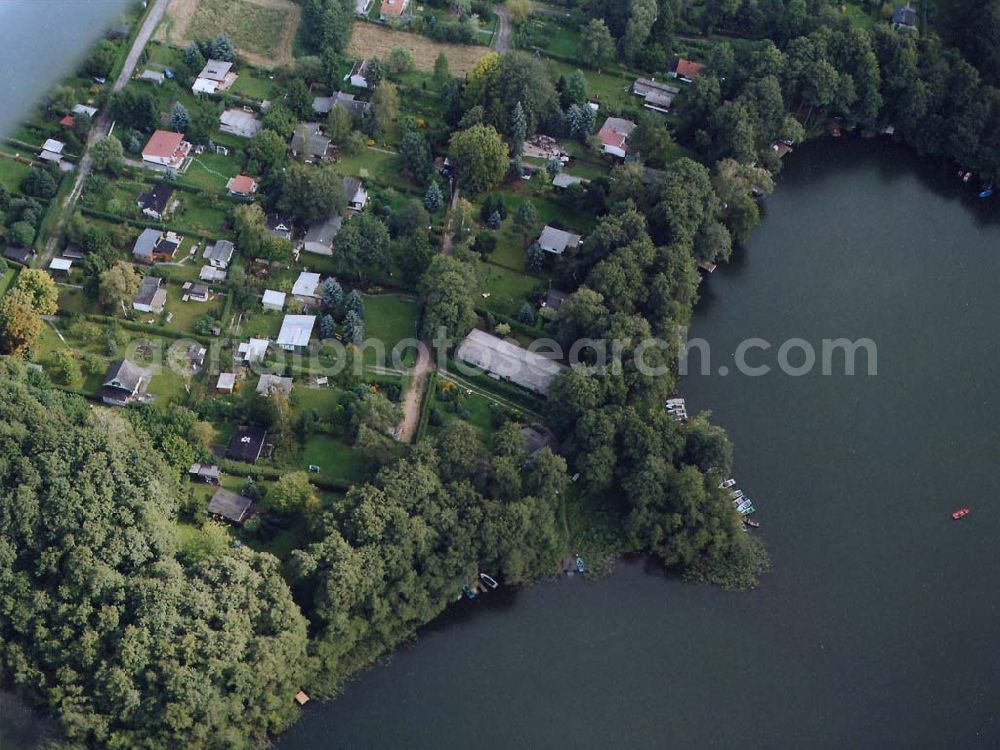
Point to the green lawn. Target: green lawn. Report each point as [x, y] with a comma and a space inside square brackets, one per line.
[337, 461]
[378, 166]
[262, 324]
[508, 289]
[858, 15]
[12, 172]
[200, 213]
[212, 171]
[390, 319]
[610, 91]
[8, 278]
[184, 314]
[253, 84]
[322, 399]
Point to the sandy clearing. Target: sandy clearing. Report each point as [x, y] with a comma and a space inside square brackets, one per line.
[372, 40]
[181, 13]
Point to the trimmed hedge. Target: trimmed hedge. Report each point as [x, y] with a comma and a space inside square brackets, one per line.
[104, 216]
[147, 328]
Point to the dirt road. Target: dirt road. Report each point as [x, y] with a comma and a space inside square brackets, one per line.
[101, 127]
[502, 41]
[413, 401]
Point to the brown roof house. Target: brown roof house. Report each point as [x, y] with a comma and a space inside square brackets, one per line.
[166, 149]
[614, 136]
[685, 69]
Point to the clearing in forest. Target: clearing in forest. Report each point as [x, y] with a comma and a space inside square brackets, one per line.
[372, 40]
[263, 31]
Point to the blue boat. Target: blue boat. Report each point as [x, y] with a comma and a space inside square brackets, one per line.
[579, 564]
[987, 192]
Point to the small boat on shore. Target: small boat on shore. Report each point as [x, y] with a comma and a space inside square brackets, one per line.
[488, 581]
[960, 513]
[987, 192]
[579, 564]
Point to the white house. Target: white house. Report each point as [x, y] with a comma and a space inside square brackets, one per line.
[253, 350]
[356, 194]
[557, 242]
[306, 287]
[296, 330]
[52, 150]
[216, 76]
[226, 383]
[273, 300]
[357, 75]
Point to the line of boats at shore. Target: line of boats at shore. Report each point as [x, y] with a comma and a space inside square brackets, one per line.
[677, 408]
[743, 504]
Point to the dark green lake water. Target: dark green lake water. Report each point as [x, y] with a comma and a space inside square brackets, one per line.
[878, 626]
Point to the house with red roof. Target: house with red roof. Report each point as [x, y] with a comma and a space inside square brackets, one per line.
[166, 149]
[685, 69]
[393, 9]
[614, 135]
[242, 186]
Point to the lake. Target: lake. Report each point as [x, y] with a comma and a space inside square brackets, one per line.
[43, 40]
[877, 626]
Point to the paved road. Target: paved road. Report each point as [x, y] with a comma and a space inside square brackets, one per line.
[102, 126]
[502, 41]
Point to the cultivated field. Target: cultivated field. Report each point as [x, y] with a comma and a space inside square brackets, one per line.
[263, 31]
[370, 40]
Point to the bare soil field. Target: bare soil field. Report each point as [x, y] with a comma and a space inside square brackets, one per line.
[263, 31]
[372, 40]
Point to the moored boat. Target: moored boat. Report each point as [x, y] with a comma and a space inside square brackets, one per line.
[960, 513]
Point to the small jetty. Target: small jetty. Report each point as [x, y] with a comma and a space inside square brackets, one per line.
[677, 408]
[707, 267]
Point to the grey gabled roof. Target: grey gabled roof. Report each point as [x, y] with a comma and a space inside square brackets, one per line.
[556, 240]
[222, 251]
[323, 232]
[147, 290]
[229, 505]
[313, 135]
[355, 106]
[146, 243]
[123, 374]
